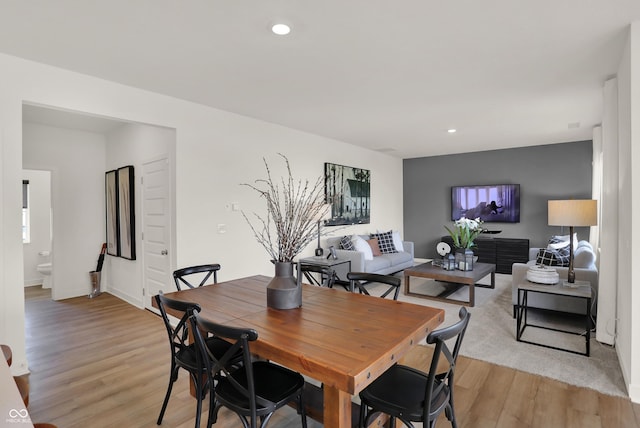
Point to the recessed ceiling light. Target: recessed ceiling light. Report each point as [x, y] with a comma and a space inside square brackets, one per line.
[281, 29]
[452, 131]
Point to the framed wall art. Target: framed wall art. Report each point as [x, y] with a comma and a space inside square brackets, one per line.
[347, 189]
[120, 213]
[126, 213]
[111, 204]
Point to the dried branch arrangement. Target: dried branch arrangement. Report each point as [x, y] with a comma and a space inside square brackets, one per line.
[293, 209]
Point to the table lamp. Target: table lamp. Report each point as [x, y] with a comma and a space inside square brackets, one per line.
[324, 214]
[574, 212]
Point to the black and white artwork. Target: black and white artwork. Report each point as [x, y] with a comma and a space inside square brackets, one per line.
[111, 203]
[126, 220]
[347, 189]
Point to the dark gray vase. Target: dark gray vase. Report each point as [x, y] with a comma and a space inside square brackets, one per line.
[284, 290]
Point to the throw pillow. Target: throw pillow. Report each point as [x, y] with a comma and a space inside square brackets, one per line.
[546, 257]
[346, 244]
[375, 248]
[559, 241]
[562, 254]
[397, 241]
[550, 257]
[385, 242]
[362, 246]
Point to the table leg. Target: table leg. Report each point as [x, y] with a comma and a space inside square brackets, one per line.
[472, 294]
[588, 332]
[519, 311]
[493, 279]
[337, 407]
[406, 285]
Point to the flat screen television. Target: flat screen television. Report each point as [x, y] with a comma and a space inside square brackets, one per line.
[494, 203]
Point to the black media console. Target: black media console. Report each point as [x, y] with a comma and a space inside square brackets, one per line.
[502, 252]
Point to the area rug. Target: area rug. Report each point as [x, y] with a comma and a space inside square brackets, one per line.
[491, 337]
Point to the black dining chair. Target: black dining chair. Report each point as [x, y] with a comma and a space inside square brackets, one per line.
[189, 276]
[254, 391]
[411, 395]
[185, 355]
[360, 281]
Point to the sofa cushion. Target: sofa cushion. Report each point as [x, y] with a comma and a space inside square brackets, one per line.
[346, 244]
[385, 242]
[375, 248]
[549, 257]
[559, 241]
[397, 241]
[397, 258]
[377, 264]
[362, 246]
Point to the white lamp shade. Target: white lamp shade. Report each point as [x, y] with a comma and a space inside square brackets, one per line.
[574, 212]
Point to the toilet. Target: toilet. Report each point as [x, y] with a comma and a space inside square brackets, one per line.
[45, 270]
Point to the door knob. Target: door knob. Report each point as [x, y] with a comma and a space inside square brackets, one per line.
[164, 252]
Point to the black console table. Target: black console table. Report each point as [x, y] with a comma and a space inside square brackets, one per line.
[502, 252]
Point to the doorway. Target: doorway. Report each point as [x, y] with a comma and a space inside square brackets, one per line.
[37, 223]
[79, 149]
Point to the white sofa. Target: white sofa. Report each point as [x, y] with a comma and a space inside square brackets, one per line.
[385, 264]
[585, 269]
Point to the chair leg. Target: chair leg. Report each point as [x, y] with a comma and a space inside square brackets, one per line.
[452, 418]
[172, 378]
[363, 415]
[302, 411]
[213, 408]
[199, 397]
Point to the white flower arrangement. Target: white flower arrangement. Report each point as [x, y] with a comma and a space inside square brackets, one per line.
[465, 232]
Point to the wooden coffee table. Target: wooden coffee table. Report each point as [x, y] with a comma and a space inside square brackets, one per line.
[428, 270]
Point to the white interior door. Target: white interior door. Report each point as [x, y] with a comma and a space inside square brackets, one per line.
[156, 212]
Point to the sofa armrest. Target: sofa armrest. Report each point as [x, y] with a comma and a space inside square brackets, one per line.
[355, 257]
[518, 276]
[408, 247]
[533, 253]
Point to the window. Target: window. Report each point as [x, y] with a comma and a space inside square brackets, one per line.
[26, 229]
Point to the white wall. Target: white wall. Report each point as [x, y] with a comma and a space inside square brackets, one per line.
[76, 159]
[629, 208]
[215, 152]
[624, 181]
[634, 302]
[608, 255]
[39, 224]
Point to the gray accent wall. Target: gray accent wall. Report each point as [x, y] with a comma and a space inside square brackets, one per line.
[555, 171]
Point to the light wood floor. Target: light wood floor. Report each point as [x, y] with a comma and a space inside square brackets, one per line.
[103, 363]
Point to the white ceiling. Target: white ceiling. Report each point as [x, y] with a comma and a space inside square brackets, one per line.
[388, 75]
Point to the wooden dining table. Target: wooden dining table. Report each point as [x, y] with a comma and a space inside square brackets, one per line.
[343, 340]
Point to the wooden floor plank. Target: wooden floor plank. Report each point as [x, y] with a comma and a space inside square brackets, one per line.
[103, 363]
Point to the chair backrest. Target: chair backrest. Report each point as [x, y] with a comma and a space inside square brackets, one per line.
[325, 272]
[220, 366]
[200, 273]
[439, 385]
[178, 335]
[359, 282]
